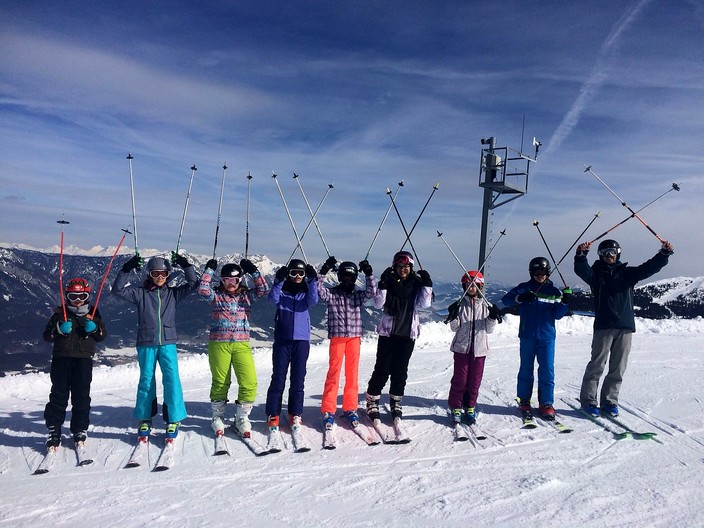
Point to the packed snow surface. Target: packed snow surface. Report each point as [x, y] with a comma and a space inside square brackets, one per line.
[516, 477]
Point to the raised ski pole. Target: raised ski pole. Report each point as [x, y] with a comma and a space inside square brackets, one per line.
[634, 213]
[246, 230]
[315, 222]
[61, 266]
[105, 275]
[383, 221]
[185, 209]
[288, 213]
[674, 187]
[217, 226]
[596, 215]
[315, 214]
[134, 214]
[537, 226]
[408, 237]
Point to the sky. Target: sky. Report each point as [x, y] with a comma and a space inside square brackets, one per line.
[360, 95]
[514, 478]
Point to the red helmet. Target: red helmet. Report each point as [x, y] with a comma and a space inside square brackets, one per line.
[77, 285]
[473, 274]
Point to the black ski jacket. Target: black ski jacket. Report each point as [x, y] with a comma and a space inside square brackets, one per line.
[78, 343]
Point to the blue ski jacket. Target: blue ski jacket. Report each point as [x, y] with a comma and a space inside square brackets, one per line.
[292, 320]
[539, 315]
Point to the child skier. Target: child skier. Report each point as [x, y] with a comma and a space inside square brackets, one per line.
[228, 346]
[471, 320]
[294, 291]
[540, 306]
[74, 341]
[156, 337]
[344, 331]
[401, 293]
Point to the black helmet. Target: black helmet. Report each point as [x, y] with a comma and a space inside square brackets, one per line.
[347, 268]
[296, 264]
[608, 244]
[403, 258]
[539, 264]
[231, 270]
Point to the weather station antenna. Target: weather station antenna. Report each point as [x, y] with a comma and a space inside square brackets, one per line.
[503, 173]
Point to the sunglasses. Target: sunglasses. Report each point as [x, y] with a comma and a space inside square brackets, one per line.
[608, 251]
[155, 274]
[231, 280]
[77, 296]
[296, 273]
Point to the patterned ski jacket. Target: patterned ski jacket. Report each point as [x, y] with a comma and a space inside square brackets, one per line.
[344, 309]
[230, 314]
[156, 307]
[472, 327]
[292, 319]
[537, 316]
[78, 343]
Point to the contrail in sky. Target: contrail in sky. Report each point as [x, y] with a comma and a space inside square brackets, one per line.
[596, 78]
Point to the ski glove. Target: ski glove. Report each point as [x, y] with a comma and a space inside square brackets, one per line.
[526, 297]
[366, 268]
[248, 266]
[135, 262]
[90, 326]
[386, 278]
[452, 312]
[179, 260]
[281, 273]
[329, 264]
[211, 264]
[310, 272]
[566, 295]
[495, 313]
[425, 278]
[64, 327]
[583, 249]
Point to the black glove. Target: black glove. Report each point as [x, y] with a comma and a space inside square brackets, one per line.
[179, 260]
[526, 297]
[567, 295]
[583, 249]
[386, 278]
[281, 273]
[212, 264]
[366, 268]
[310, 272]
[135, 262]
[248, 266]
[425, 278]
[495, 313]
[329, 264]
[452, 311]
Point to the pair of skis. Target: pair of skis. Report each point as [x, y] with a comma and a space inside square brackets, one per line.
[140, 455]
[614, 425]
[529, 421]
[361, 430]
[49, 461]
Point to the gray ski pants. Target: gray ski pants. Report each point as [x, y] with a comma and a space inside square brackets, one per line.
[613, 345]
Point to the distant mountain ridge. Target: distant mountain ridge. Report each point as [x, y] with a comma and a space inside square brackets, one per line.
[29, 289]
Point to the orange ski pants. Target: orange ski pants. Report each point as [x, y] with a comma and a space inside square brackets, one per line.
[347, 349]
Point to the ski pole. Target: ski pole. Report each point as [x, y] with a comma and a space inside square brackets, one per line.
[408, 236]
[105, 275]
[246, 230]
[383, 221]
[217, 226]
[634, 213]
[61, 266]
[185, 209]
[435, 188]
[315, 222]
[315, 214]
[293, 226]
[674, 187]
[596, 215]
[537, 226]
[134, 215]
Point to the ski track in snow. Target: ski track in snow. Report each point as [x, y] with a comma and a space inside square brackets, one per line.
[515, 477]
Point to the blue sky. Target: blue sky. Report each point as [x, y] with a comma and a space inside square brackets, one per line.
[358, 94]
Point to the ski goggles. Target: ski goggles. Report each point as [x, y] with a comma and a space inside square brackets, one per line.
[403, 260]
[77, 296]
[296, 273]
[155, 274]
[234, 281]
[608, 251]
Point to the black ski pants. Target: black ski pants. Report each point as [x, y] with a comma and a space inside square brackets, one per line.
[392, 356]
[69, 376]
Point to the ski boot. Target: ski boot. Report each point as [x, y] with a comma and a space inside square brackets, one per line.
[53, 439]
[352, 418]
[373, 407]
[144, 429]
[328, 421]
[242, 423]
[172, 430]
[396, 409]
[524, 405]
[456, 415]
[547, 412]
[610, 409]
[471, 415]
[80, 437]
[273, 423]
[218, 409]
[591, 409]
[295, 422]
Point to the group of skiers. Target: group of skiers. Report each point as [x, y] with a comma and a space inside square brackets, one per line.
[76, 326]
